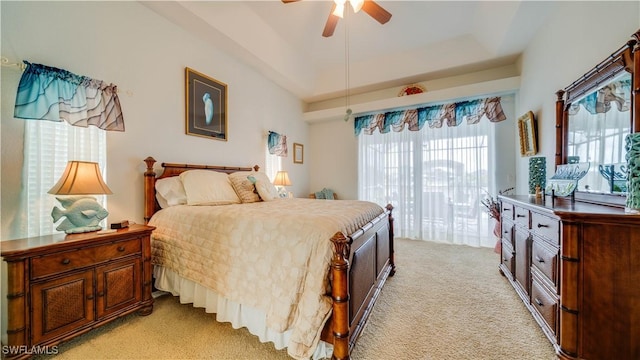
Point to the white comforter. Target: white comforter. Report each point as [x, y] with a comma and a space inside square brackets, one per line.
[273, 256]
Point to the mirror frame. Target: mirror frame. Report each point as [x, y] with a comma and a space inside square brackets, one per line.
[627, 58]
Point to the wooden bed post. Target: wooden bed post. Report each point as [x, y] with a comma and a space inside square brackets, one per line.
[149, 189]
[340, 295]
[392, 261]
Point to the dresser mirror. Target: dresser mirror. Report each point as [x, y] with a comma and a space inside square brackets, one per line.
[593, 116]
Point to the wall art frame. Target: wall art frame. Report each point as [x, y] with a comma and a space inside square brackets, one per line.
[205, 106]
[298, 153]
[528, 134]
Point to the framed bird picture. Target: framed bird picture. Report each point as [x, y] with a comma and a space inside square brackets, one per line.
[206, 106]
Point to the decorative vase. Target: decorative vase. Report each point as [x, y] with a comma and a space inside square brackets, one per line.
[632, 142]
[496, 231]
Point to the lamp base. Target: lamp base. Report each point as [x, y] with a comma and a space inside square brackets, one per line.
[82, 214]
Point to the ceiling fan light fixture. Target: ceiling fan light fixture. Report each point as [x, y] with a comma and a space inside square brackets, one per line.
[356, 5]
[339, 10]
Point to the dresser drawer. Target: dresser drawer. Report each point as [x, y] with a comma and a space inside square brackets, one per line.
[521, 217]
[507, 232]
[545, 304]
[70, 260]
[507, 257]
[546, 227]
[545, 258]
[506, 211]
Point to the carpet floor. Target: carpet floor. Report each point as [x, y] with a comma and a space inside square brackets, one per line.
[444, 302]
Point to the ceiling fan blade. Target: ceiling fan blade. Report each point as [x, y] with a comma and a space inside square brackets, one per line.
[331, 23]
[376, 11]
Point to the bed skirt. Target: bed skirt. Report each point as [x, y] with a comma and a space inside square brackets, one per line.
[228, 311]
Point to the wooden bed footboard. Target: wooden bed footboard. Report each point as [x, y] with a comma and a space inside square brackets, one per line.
[360, 265]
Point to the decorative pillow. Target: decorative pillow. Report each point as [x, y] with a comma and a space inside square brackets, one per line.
[327, 194]
[244, 187]
[267, 190]
[206, 187]
[170, 192]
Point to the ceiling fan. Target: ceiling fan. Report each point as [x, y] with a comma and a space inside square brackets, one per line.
[369, 6]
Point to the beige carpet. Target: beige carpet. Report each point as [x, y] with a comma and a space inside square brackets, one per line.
[445, 302]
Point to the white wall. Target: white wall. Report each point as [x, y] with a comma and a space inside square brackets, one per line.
[577, 37]
[131, 46]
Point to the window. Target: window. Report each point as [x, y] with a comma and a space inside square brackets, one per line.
[48, 146]
[434, 178]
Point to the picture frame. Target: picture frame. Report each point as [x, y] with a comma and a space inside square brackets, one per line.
[298, 153]
[528, 139]
[205, 106]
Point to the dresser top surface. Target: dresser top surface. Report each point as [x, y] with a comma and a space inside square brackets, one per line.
[33, 244]
[563, 207]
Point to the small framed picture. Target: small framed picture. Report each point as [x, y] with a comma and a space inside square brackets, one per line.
[206, 106]
[527, 129]
[298, 153]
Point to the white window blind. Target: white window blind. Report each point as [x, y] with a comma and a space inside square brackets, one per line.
[48, 146]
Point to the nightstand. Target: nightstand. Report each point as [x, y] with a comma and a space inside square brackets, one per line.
[59, 287]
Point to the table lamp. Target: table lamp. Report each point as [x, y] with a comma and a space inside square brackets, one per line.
[82, 212]
[282, 180]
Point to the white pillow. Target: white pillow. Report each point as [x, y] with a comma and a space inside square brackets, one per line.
[170, 192]
[267, 190]
[206, 187]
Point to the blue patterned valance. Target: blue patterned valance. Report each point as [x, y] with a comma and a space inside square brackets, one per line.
[435, 115]
[277, 144]
[48, 93]
[599, 102]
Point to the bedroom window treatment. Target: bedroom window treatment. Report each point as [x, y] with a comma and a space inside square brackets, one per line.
[435, 116]
[48, 93]
[48, 146]
[617, 93]
[434, 176]
[277, 144]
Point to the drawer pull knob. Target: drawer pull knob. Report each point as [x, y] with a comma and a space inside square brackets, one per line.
[519, 215]
[101, 294]
[539, 259]
[540, 303]
[542, 225]
[120, 248]
[90, 297]
[506, 209]
[65, 261]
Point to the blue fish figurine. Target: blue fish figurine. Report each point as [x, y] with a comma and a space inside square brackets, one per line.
[83, 214]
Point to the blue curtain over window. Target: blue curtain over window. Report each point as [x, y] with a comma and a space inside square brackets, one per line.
[277, 144]
[451, 114]
[600, 101]
[48, 93]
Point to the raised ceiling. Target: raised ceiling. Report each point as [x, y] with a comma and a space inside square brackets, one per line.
[423, 40]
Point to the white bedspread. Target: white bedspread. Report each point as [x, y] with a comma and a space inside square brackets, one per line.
[273, 256]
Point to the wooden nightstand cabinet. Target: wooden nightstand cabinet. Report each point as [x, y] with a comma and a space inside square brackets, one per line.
[59, 287]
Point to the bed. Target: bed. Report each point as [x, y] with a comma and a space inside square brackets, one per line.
[338, 255]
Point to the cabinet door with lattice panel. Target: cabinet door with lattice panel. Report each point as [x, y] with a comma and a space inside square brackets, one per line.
[118, 286]
[61, 306]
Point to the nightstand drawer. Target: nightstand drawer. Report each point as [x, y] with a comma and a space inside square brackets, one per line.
[71, 260]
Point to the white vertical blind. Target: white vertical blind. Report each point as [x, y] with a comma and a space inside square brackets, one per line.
[434, 178]
[48, 146]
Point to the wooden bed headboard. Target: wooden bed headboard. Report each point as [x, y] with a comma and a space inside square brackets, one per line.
[150, 203]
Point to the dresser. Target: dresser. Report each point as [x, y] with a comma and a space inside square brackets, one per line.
[576, 267]
[61, 286]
